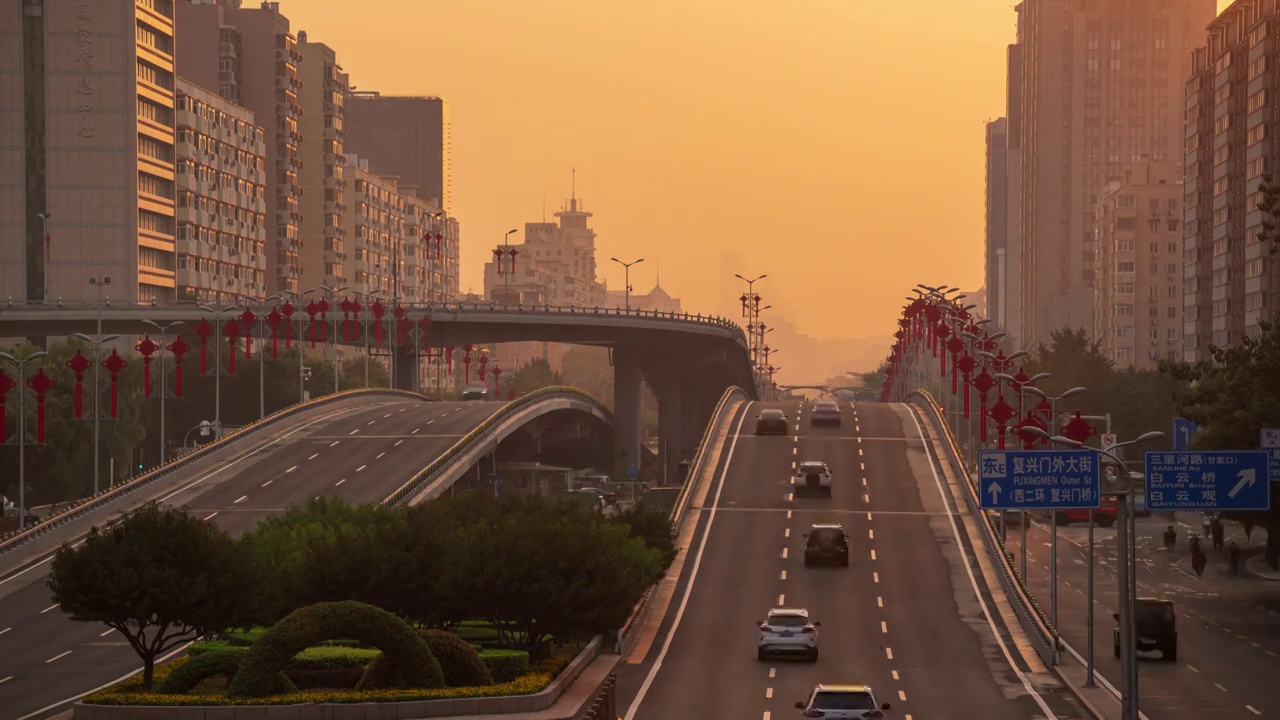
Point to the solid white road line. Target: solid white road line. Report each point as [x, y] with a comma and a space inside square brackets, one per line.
[693, 574]
[973, 582]
[59, 656]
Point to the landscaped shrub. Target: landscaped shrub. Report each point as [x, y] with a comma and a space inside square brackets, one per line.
[460, 662]
[505, 665]
[339, 679]
[219, 663]
[320, 657]
[313, 624]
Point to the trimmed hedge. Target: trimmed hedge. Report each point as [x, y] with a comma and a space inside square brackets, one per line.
[321, 657]
[459, 661]
[323, 621]
[506, 665]
[219, 663]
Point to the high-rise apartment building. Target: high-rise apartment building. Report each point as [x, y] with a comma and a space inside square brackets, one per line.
[250, 55]
[375, 227]
[430, 272]
[405, 137]
[1231, 283]
[1138, 281]
[568, 250]
[322, 148]
[1101, 88]
[87, 149]
[997, 218]
[221, 199]
[1009, 308]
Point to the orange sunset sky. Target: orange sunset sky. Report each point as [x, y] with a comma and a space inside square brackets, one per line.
[838, 144]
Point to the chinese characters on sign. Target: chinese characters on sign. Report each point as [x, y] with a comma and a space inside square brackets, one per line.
[84, 61]
[1030, 479]
[1209, 480]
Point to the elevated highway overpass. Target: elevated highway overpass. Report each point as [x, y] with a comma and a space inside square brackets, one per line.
[688, 360]
[368, 446]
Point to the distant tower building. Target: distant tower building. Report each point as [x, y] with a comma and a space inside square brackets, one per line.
[87, 141]
[1102, 86]
[997, 220]
[324, 246]
[405, 137]
[1232, 282]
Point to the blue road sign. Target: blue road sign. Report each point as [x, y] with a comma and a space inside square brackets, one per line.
[1270, 442]
[1210, 480]
[1183, 431]
[632, 472]
[1035, 479]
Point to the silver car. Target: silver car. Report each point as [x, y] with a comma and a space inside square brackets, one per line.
[788, 632]
[842, 702]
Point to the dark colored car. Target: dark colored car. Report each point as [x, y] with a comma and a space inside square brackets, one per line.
[825, 413]
[1156, 627]
[771, 422]
[826, 545]
[608, 497]
[813, 478]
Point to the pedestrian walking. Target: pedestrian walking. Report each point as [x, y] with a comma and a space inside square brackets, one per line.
[1198, 561]
[1195, 544]
[1233, 555]
[1218, 532]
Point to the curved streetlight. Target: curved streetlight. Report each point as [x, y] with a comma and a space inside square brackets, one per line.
[97, 344]
[163, 332]
[626, 267]
[22, 432]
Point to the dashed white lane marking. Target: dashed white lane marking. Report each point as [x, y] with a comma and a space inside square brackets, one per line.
[784, 553]
[1192, 668]
[108, 632]
[370, 423]
[335, 442]
[1220, 687]
[871, 534]
[875, 576]
[1250, 708]
[314, 456]
[403, 409]
[267, 483]
[873, 554]
[240, 500]
[362, 467]
[380, 455]
[210, 516]
[862, 466]
[768, 715]
[5, 630]
[387, 415]
[880, 603]
[429, 422]
[864, 482]
[353, 432]
[895, 675]
[1271, 653]
[782, 575]
[791, 497]
[51, 607]
[866, 498]
[786, 532]
[795, 451]
[295, 467]
[768, 693]
[5, 679]
[782, 600]
[772, 672]
[59, 656]
[859, 452]
[788, 514]
[339, 482]
[888, 652]
[868, 516]
[902, 696]
[397, 443]
[415, 430]
[793, 464]
[884, 627]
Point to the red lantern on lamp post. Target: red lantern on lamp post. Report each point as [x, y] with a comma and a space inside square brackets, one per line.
[466, 361]
[274, 318]
[378, 310]
[497, 378]
[402, 323]
[287, 310]
[448, 357]
[248, 318]
[6, 384]
[146, 349]
[484, 369]
[178, 347]
[114, 364]
[41, 384]
[324, 307]
[203, 330]
[1001, 413]
[79, 364]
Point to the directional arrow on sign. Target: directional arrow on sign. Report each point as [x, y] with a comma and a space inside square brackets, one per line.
[1246, 477]
[994, 489]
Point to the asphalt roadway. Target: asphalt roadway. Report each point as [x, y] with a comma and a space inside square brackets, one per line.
[1228, 628]
[905, 618]
[362, 455]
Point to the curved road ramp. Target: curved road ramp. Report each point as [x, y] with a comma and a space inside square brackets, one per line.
[924, 614]
[364, 446]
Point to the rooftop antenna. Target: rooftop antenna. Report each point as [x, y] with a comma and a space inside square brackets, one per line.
[657, 281]
[544, 206]
[573, 184]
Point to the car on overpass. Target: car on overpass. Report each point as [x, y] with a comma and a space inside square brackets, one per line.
[475, 392]
[826, 544]
[813, 477]
[825, 412]
[771, 422]
[788, 632]
[842, 701]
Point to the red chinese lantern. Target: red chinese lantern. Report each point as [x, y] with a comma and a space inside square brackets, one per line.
[378, 310]
[311, 310]
[248, 318]
[232, 331]
[146, 349]
[1030, 420]
[78, 364]
[402, 323]
[966, 365]
[1079, 429]
[425, 324]
[484, 367]
[513, 253]
[955, 346]
[204, 330]
[439, 244]
[41, 383]
[466, 361]
[497, 259]
[287, 311]
[178, 347]
[6, 384]
[348, 309]
[984, 383]
[1001, 413]
[274, 318]
[114, 364]
[497, 376]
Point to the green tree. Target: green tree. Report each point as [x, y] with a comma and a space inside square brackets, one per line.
[535, 375]
[160, 578]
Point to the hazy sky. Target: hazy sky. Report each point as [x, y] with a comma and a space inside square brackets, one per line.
[837, 143]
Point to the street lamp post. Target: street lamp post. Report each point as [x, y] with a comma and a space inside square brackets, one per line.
[163, 331]
[46, 251]
[22, 432]
[501, 252]
[1053, 516]
[753, 315]
[1126, 526]
[367, 313]
[626, 267]
[302, 383]
[334, 292]
[96, 342]
[217, 314]
[261, 319]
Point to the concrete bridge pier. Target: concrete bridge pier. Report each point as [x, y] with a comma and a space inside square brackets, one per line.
[627, 363]
[405, 371]
[670, 391]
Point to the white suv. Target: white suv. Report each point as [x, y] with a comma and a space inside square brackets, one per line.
[813, 477]
[788, 631]
[842, 701]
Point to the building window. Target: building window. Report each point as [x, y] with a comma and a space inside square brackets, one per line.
[1172, 312]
